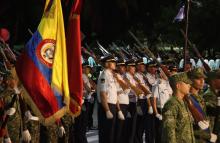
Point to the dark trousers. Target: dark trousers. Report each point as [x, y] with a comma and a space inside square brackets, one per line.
[80, 126]
[120, 130]
[158, 128]
[131, 123]
[91, 110]
[106, 126]
[88, 106]
[149, 129]
[141, 121]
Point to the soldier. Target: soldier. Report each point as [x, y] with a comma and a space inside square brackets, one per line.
[211, 96]
[197, 76]
[16, 124]
[81, 122]
[133, 96]
[177, 124]
[152, 77]
[161, 93]
[173, 69]
[143, 103]
[107, 98]
[123, 102]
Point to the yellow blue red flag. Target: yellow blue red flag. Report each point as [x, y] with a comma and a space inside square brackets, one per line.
[42, 68]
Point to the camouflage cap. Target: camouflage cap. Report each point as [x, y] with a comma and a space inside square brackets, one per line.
[180, 77]
[215, 74]
[196, 73]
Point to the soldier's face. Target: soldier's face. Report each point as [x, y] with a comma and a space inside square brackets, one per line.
[131, 69]
[152, 70]
[141, 68]
[121, 69]
[198, 83]
[217, 84]
[112, 65]
[183, 88]
[87, 70]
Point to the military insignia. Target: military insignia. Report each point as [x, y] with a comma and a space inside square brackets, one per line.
[45, 52]
[102, 80]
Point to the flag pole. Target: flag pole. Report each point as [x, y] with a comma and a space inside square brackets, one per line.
[186, 50]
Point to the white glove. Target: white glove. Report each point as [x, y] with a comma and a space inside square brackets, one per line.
[218, 103]
[203, 125]
[150, 110]
[17, 91]
[109, 115]
[213, 138]
[61, 131]
[26, 136]
[121, 115]
[141, 96]
[7, 140]
[159, 116]
[11, 111]
[30, 116]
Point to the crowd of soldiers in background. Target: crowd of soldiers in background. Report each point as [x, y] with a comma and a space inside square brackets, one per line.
[134, 98]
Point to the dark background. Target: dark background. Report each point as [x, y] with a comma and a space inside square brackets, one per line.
[109, 20]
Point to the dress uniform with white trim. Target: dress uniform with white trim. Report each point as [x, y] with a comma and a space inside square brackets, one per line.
[107, 98]
[161, 92]
[123, 103]
[143, 103]
[132, 109]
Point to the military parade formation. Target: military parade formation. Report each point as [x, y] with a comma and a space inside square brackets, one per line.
[136, 102]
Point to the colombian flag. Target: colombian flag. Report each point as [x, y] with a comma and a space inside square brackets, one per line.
[42, 68]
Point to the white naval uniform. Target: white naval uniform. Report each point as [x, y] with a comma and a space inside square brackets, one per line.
[122, 94]
[151, 79]
[132, 95]
[140, 77]
[107, 83]
[162, 92]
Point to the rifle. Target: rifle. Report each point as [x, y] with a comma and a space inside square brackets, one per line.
[146, 50]
[206, 66]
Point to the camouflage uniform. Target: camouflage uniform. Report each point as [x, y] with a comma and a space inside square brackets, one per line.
[14, 124]
[177, 124]
[48, 134]
[67, 123]
[211, 103]
[210, 97]
[34, 129]
[201, 136]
